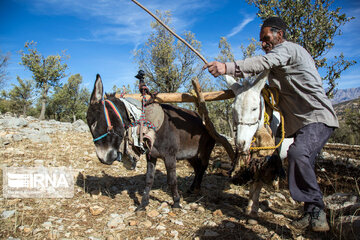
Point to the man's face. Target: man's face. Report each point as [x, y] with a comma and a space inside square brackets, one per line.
[270, 39]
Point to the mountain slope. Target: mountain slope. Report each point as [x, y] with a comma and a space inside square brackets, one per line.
[345, 94]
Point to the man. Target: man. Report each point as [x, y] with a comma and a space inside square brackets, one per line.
[309, 115]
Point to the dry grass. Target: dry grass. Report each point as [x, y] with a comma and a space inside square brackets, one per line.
[218, 208]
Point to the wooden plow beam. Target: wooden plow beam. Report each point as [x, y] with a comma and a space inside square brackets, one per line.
[184, 97]
[199, 100]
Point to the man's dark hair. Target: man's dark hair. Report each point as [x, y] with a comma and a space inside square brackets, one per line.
[276, 24]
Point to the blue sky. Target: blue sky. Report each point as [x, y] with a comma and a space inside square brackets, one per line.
[101, 35]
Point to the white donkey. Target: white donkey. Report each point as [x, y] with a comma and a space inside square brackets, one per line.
[248, 116]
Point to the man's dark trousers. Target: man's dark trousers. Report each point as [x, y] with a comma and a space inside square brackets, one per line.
[308, 142]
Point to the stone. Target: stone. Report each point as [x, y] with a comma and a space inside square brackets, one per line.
[174, 233]
[80, 213]
[90, 230]
[96, 210]
[210, 223]
[115, 221]
[232, 219]
[252, 221]
[80, 126]
[165, 210]
[153, 213]
[39, 162]
[177, 222]
[164, 205]
[146, 224]
[37, 138]
[172, 214]
[160, 227]
[194, 206]
[281, 196]
[201, 209]
[47, 225]
[218, 212]
[27, 229]
[279, 216]
[8, 214]
[133, 223]
[17, 137]
[53, 234]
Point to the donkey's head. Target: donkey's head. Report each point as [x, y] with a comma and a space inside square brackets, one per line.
[106, 126]
[248, 109]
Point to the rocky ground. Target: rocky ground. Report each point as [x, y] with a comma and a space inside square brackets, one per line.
[105, 197]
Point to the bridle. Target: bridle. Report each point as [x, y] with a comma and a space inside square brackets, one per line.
[110, 128]
[258, 121]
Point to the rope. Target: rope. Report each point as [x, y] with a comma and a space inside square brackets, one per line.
[107, 118]
[273, 103]
[142, 117]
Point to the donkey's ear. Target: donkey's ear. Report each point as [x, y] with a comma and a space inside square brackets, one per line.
[232, 83]
[260, 81]
[97, 93]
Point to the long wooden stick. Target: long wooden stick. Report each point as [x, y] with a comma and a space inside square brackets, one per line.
[208, 124]
[172, 32]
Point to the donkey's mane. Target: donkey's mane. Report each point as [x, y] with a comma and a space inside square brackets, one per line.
[110, 95]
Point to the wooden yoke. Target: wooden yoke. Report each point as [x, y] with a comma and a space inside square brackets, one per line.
[185, 97]
[208, 124]
[200, 103]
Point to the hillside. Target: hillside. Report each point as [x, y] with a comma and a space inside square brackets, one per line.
[343, 95]
[340, 108]
[105, 196]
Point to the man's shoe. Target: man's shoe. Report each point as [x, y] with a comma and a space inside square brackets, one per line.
[302, 222]
[318, 220]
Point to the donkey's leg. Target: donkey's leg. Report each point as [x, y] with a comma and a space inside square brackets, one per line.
[199, 172]
[253, 204]
[170, 164]
[199, 169]
[150, 174]
[200, 164]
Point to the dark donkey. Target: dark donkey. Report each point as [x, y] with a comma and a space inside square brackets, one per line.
[181, 136]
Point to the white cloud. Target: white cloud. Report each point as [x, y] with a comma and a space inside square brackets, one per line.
[240, 27]
[121, 19]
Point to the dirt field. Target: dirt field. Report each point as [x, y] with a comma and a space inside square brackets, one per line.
[106, 196]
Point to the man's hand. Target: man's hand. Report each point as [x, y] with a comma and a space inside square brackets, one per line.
[215, 68]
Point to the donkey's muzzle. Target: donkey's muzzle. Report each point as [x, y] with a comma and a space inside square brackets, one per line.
[110, 157]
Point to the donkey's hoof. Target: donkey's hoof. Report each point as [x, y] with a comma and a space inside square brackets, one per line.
[176, 205]
[249, 212]
[252, 214]
[140, 208]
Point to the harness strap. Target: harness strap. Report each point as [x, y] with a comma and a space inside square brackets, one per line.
[112, 105]
[272, 101]
[107, 118]
[101, 137]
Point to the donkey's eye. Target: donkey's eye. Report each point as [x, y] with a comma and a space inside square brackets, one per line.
[93, 126]
[253, 109]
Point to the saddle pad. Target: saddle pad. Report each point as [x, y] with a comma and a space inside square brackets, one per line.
[134, 109]
[155, 114]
